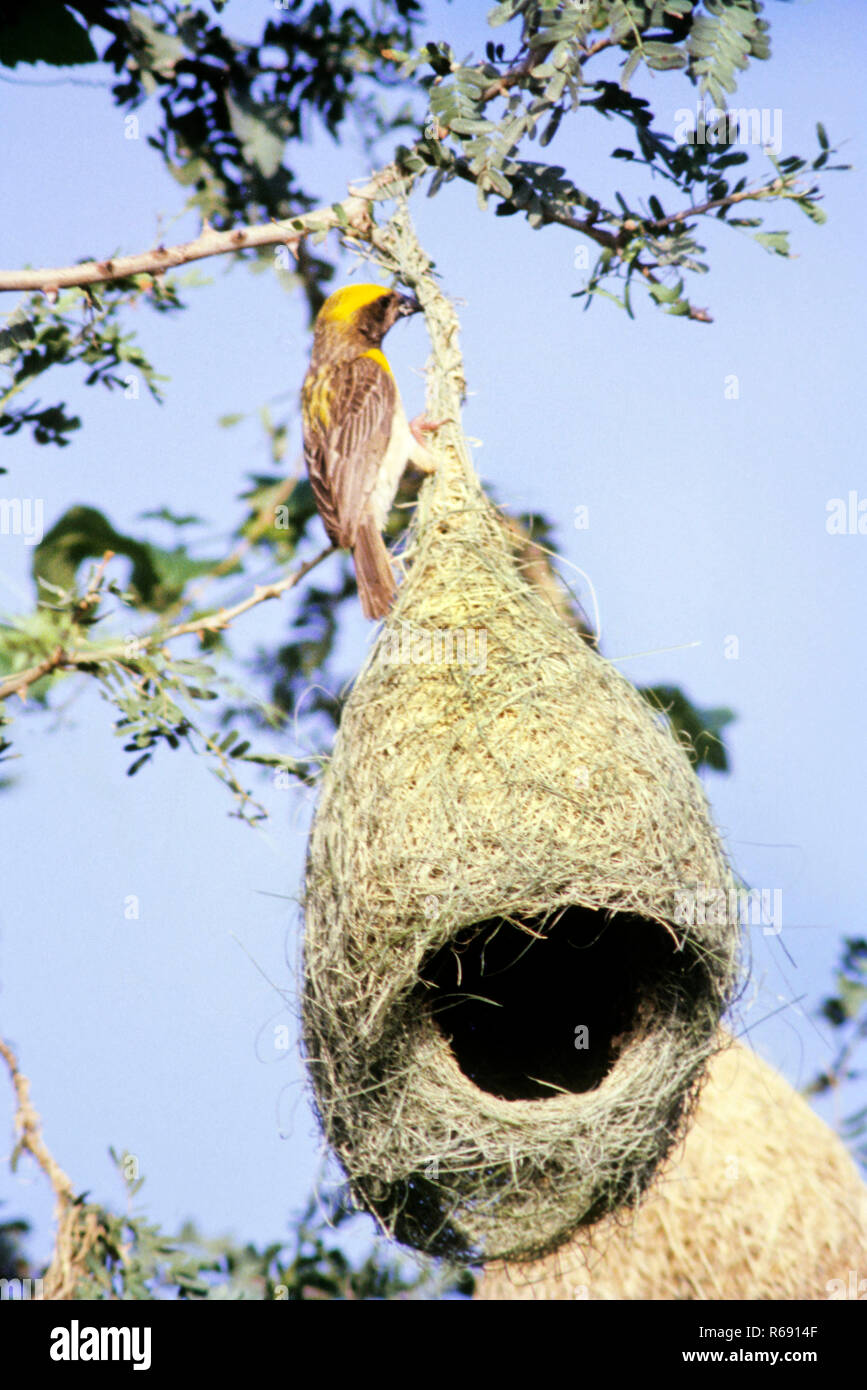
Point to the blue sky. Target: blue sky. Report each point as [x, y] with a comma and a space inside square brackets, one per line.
[707, 521]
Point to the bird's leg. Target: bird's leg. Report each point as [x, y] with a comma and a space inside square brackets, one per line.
[419, 427]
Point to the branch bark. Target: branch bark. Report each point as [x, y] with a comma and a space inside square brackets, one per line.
[29, 1129]
[78, 1226]
[352, 215]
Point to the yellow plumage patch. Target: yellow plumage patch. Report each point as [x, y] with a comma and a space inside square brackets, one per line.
[317, 397]
[342, 306]
[380, 358]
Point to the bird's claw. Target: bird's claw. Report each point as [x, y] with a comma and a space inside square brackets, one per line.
[421, 426]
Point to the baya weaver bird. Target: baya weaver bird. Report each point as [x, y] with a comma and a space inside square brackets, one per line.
[357, 439]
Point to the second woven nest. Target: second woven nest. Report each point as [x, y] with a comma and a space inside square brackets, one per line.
[506, 1009]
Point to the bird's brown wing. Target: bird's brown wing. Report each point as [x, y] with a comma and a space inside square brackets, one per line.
[348, 414]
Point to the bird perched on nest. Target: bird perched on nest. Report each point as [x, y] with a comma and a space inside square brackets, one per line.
[357, 439]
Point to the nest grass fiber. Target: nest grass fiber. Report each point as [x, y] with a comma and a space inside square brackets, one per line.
[762, 1202]
[505, 1012]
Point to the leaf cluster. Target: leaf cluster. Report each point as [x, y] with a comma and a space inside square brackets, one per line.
[483, 114]
[125, 1256]
[79, 327]
[846, 1012]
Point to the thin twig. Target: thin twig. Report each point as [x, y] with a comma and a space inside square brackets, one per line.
[700, 209]
[62, 659]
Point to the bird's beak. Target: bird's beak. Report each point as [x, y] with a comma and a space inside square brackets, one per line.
[407, 305]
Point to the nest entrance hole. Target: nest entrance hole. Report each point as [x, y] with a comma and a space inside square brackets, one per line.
[529, 1016]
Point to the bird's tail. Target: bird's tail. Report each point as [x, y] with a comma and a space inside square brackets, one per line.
[376, 586]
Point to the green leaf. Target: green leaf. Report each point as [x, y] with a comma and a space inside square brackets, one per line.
[552, 127]
[629, 66]
[554, 89]
[663, 56]
[199, 669]
[18, 335]
[499, 183]
[775, 242]
[809, 209]
[667, 294]
[464, 125]
[501, 14]
[258, 132]
[822, 136]
[471, 80]
[172, 518]
[725, 161]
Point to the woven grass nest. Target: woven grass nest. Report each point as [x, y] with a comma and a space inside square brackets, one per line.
[762, 1202]
[494, 866]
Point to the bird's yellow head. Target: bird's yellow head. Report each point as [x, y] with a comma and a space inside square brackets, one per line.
[355, 319]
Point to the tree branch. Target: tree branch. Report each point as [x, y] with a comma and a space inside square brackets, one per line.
[353, 214]
[612, 241]
[771, 190]
[29, 1129]
[62, 659]
[78, 1226]
[535, 58]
